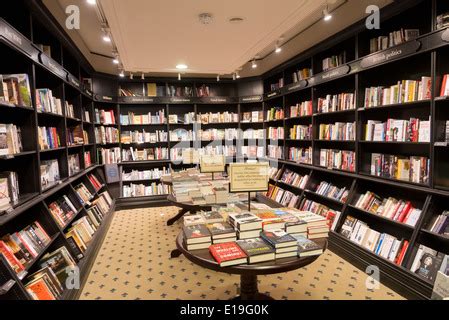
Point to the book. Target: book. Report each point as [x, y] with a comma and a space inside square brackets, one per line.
[16, 90]
[245, 221]
[429, 266]
[195, 234]
[278, 238]
[212, 217]
[306, 247]
[220, 230]
[228, 254]
[257, 250]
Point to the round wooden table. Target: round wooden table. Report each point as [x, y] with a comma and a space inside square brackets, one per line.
[185, 207]
[248, 272]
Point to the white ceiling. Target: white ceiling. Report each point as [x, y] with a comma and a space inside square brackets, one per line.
[153, 36]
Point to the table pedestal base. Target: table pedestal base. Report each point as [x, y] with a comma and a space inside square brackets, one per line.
[175, 253]
[249, 289]
[181, 213]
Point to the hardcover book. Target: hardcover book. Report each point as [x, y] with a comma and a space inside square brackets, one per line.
[245, 221]
[220, 230]
[196, 234]
[307, 247]
[228, 254]
[278, 238]
[257, 250]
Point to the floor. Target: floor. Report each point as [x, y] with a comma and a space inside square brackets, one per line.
[133, 263]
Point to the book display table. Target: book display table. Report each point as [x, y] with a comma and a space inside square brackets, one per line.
[248, 272]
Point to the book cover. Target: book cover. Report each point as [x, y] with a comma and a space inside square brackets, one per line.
[278, 238]
[307, 247]
[221, 230]
[254, 247]
[227, 254]
[196, 233]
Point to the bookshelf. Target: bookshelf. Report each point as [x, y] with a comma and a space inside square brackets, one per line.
[360, 69]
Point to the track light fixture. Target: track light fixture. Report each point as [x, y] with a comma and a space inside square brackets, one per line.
[237, 75]
[234, 76]
[254, 64]
[143, 76]
[179, 77]
[218, 77]
[131, 76]
[122, 74]
[326, 14]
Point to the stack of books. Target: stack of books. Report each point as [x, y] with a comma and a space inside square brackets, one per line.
[246, 224]
[412, 169]
[413, 130]
[402, 92]
[301, 109]
[306, 247]
[253, 116]
[300, 155]
[275, 133]
[398, 210]
[15, 90]
[336, 102]
[197, 237]
[222, 232]
[294, 179]
[326, 217]
[104, 116]
[108, 156]
[382, 244]
[317, 225]
[281, 196]
[10, 139]
[270, 220]
[284, 244]
[228, 254]
[257, 250]
[302, 74]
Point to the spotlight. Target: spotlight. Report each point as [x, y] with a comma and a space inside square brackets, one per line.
[179, 76]
[237, 75]
[234, 76]
[254, 64]
[143, 76]
[218, 77]
[131, 76]
[92, 2]
[326, 14]
[122, 74]
[181, 66]
[106, 38]
[116, 61]
[278, 48]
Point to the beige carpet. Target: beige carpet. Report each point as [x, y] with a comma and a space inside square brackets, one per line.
[134, 263]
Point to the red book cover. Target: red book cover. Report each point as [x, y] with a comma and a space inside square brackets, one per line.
[401, 255]
[443, 86]
[41, 290]
[42, 229]
[11, 258]
[225, 252]
[404, 212]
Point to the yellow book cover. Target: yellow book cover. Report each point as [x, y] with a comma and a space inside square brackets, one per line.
[151, 89]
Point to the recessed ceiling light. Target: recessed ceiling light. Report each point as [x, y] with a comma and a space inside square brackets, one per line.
[236, 20]
[181, 66]
[92, 2]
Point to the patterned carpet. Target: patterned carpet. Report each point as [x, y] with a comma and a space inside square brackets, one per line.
[133, 263]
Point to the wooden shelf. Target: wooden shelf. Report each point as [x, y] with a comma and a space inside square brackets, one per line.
[383, 219]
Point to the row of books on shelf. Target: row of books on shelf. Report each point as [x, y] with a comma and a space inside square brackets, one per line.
[397, 210]
[412, 169]
[338, 159]
[10, 139]
[382, 244]
[49, 170]
[46, 102]
[329, 190]
[69, 110]
[277, 85]
[440, 224]
[275, 152]
[442, 20]
[63, 210]
[338, 131]
[253, 134]
[128, 137]
[284, 197]
[253, 116]
[331, 216]
[48, 138]
[301, 132]
[301, 109]
[187, 118]
[334, 61]
[21, 248]
[104, 116]
[176, 91]
[152, 174]
[144, 154]
[393, 130]
[77, 136]
[15, 90]
[293, 178]
[336, 102]
[149, 118]
[87, 159]
[104, 135]
[253, 151]
[218, 117]
[302, 74]
[218, 134]
[9, 190]
[402, 92]
[300, 155]
[394, 38]
[275, 113]
[275, 133]
[141, 190]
